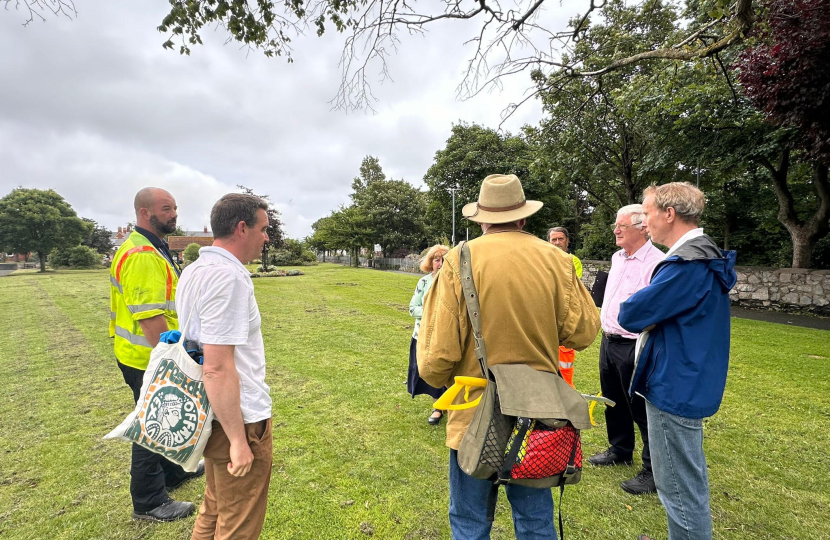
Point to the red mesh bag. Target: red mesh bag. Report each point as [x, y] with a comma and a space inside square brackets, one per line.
[547, 452]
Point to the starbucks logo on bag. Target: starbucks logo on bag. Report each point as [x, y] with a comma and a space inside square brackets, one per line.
[171, 416]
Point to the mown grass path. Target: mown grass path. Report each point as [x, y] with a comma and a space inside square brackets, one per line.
[353, 455]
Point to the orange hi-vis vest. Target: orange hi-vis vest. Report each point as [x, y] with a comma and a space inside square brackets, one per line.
[566, 364]
[142, 285]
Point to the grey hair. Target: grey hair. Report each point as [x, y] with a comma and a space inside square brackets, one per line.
[563, 230]
[636, 213]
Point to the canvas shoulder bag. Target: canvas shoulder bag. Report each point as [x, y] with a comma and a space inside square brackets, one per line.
[526, 426]
[173, 415]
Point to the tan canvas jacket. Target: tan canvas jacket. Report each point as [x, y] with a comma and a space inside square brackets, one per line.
[531, 303]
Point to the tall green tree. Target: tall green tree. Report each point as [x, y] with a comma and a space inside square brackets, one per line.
[370, 172]
[396, 211]
[347, 228]
[752, 171]
[99, 238]
[471, 154]
[34, 220]
[593, 137]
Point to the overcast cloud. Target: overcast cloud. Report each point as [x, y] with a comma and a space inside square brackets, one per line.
[96, 109]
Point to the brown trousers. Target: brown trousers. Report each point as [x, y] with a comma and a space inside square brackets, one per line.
[235, 507]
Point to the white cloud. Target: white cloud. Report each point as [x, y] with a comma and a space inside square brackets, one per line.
[96, 109]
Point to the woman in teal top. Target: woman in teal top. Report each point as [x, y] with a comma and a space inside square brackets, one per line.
[431, 263]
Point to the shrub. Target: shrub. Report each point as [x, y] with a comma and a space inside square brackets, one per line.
[75, 257]
[281, 257]
[191, 252]
[275, 273]
[309, 256]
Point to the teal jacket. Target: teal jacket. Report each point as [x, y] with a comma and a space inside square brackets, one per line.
[416, 305]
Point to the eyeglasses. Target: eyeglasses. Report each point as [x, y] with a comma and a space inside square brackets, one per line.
[623, 228]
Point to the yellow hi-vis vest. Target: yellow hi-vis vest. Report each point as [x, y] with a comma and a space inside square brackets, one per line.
[142, 286]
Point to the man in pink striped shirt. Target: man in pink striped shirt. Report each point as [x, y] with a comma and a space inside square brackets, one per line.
[631, 269]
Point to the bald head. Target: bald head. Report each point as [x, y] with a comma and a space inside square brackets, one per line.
[155, 210]
[146, 198]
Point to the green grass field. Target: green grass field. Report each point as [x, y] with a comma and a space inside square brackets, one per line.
[353, 454]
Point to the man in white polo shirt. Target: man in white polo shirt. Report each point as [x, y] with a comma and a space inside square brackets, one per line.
[217, 294]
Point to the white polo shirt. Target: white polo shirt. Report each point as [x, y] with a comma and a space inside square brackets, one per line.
[219, 291]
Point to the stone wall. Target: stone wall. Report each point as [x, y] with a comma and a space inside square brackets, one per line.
[589, 271]
[783, 289]
[794, 290]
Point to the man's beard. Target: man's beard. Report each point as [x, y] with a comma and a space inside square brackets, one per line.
[163, 228]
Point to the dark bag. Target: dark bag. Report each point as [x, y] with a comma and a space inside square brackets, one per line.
[598, 290]
[526, 428]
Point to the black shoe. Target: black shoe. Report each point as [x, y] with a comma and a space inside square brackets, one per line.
[609, 457]
[200, 470]
[169, 511]
[642, 484]
[435, 420]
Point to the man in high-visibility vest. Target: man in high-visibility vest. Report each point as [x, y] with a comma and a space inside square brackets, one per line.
[558, 236]
[143, 278]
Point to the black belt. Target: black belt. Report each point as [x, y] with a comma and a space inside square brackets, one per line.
[616, 338]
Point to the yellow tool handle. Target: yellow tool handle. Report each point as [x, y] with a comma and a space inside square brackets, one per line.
[445, 402]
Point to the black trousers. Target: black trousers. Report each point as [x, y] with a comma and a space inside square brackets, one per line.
[616, 367]
[150, 473]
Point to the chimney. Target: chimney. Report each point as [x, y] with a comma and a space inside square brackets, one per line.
[205, 228]
[119, 230]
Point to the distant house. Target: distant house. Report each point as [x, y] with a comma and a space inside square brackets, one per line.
[205, 233]
[179, 243]
[118, 238]
[15, 257]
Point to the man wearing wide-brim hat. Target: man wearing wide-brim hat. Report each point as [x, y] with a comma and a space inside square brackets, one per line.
[531, 303]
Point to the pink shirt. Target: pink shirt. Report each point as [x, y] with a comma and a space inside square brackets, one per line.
[628, 275]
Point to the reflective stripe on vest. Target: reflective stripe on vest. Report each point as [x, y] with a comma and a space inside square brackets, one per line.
[124, 258]
[141, 341]
[141, 308]
[116, 281]
[565, 365]
[116, 284]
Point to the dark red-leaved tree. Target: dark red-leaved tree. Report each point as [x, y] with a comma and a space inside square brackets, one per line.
[787, 75]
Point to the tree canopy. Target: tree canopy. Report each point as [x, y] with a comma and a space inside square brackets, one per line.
[98, 238]
[34, 220]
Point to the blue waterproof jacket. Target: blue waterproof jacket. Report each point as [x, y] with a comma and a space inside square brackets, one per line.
[682, 368]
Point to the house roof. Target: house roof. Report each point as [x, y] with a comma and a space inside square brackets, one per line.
[178, 243]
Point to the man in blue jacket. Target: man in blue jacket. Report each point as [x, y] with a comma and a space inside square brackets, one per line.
[683, 321]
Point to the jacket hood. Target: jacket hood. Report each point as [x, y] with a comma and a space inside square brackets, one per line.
[721, 263]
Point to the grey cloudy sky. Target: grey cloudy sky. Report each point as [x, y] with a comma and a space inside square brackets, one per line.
[96, 109]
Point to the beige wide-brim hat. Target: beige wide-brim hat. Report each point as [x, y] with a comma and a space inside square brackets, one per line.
[501, 200]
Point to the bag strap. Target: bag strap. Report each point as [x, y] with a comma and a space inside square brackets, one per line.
[468, 287]
[523, 426]
[187, 322]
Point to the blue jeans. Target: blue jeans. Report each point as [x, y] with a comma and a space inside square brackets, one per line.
[532, 508]
[679, 467]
